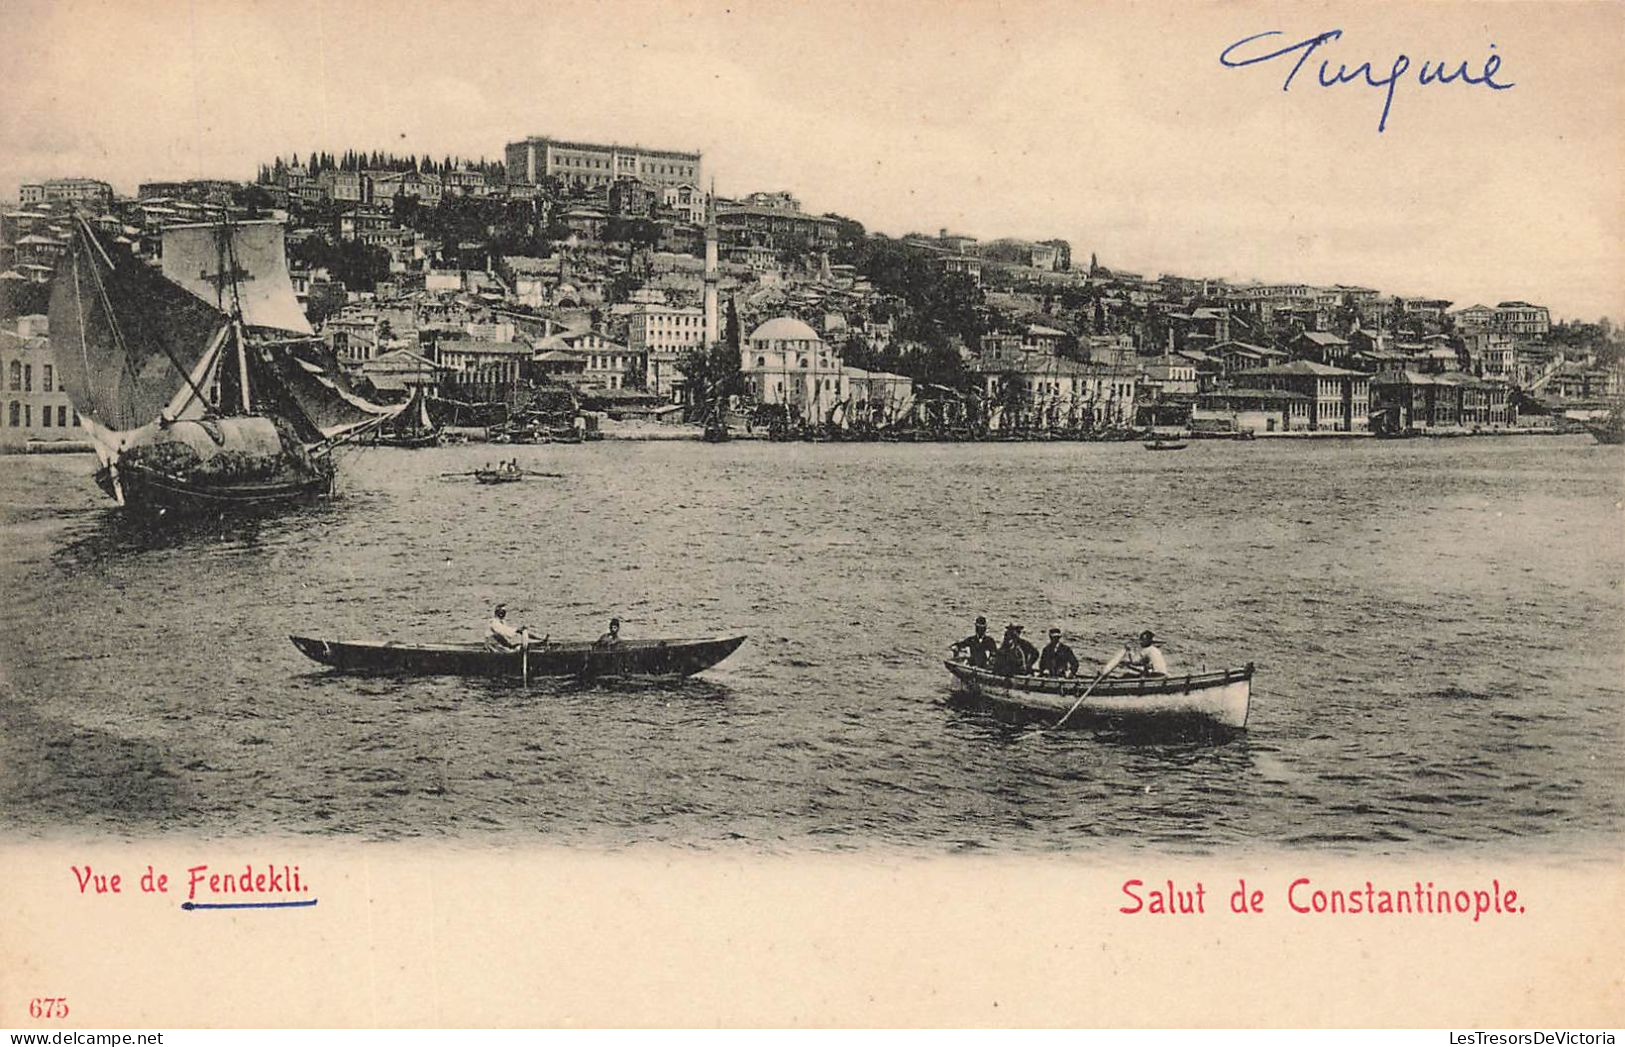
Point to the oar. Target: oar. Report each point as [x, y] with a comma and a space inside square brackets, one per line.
[1087, 691]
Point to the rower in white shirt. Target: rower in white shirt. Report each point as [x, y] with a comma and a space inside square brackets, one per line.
[505, 637]
[1148, 660]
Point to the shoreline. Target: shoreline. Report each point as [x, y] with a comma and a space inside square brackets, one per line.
[663, 433]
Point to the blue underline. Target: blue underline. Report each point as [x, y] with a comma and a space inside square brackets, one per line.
[190, 906]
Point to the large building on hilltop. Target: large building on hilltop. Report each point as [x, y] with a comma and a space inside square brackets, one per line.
[537, 157]
[66, 191]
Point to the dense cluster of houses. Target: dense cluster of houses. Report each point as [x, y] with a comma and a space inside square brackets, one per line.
[611, 314]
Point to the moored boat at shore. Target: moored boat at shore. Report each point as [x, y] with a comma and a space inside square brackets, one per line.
[654, 658]
[1222, 697]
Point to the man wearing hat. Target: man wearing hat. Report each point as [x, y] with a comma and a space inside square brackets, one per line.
[1016, 655]
[979, 646]
[1148, 660]
[504, 637]
[1057, 659]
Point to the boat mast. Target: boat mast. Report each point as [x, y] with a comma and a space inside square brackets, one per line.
[228, 273]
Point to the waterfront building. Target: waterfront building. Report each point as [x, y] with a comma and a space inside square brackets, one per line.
[1403, 401]
[595, 360]
[484, 370]
[1251, 410]
[785, 362]
[402, 372]
[1172, 375]
[533, 159]
[1339, 399]
[1103, 394]
[37, 406]
[1411, 401]
[875, 390]
[660, 335]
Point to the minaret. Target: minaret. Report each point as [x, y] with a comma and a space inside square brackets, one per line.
[713, 321]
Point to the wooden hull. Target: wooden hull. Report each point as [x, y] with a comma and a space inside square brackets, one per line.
[409, 440]
[573, 659]
[150, 493]
[1221, 697]
[497, 477]
[1164, 447]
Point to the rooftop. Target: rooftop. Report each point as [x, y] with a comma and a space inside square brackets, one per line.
[1306, 368]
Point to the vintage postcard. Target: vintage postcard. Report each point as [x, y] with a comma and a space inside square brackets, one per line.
[767, 514]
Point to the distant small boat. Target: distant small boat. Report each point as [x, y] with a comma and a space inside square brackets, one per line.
[1221, 696]
[497, 476]
[1611, 428]
[683, 657]
[1166, 445]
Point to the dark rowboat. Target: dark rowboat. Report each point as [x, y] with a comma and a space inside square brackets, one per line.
[564, 659]
[1218, 696]
[497, 476]
[1166, 445]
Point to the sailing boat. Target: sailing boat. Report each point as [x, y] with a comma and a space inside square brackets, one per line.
[202, 386]
[412, 427]
[1610, 429]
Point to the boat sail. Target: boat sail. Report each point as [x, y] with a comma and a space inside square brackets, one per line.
[413, 427]
[201, 385]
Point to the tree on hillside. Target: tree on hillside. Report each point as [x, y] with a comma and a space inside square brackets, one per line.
[713, 372]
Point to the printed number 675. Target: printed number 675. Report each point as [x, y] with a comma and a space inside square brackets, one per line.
[48, 1007]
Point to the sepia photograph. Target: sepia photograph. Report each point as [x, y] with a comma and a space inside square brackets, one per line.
[863, 491]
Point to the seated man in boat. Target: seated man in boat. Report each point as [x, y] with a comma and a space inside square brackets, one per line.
[612, 637]
[1148, 660]
[1057, 658]
[505, 637]
[979, 646]
[1016, 656]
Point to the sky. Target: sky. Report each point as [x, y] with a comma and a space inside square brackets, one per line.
[1114, 127]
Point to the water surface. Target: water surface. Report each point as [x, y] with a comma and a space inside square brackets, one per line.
[1436, 626]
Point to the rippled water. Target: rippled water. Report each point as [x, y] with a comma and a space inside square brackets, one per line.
[1437, 627]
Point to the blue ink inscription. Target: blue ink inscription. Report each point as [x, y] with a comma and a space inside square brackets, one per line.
[1430, 73]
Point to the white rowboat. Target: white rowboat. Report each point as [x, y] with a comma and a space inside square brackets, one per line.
[1218, 696]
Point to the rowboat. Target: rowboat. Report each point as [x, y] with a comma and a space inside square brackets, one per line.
[561, 659]
[1166, 445]
[497, 476]
[1218, 696]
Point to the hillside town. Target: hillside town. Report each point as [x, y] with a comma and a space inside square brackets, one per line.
[576, 288]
